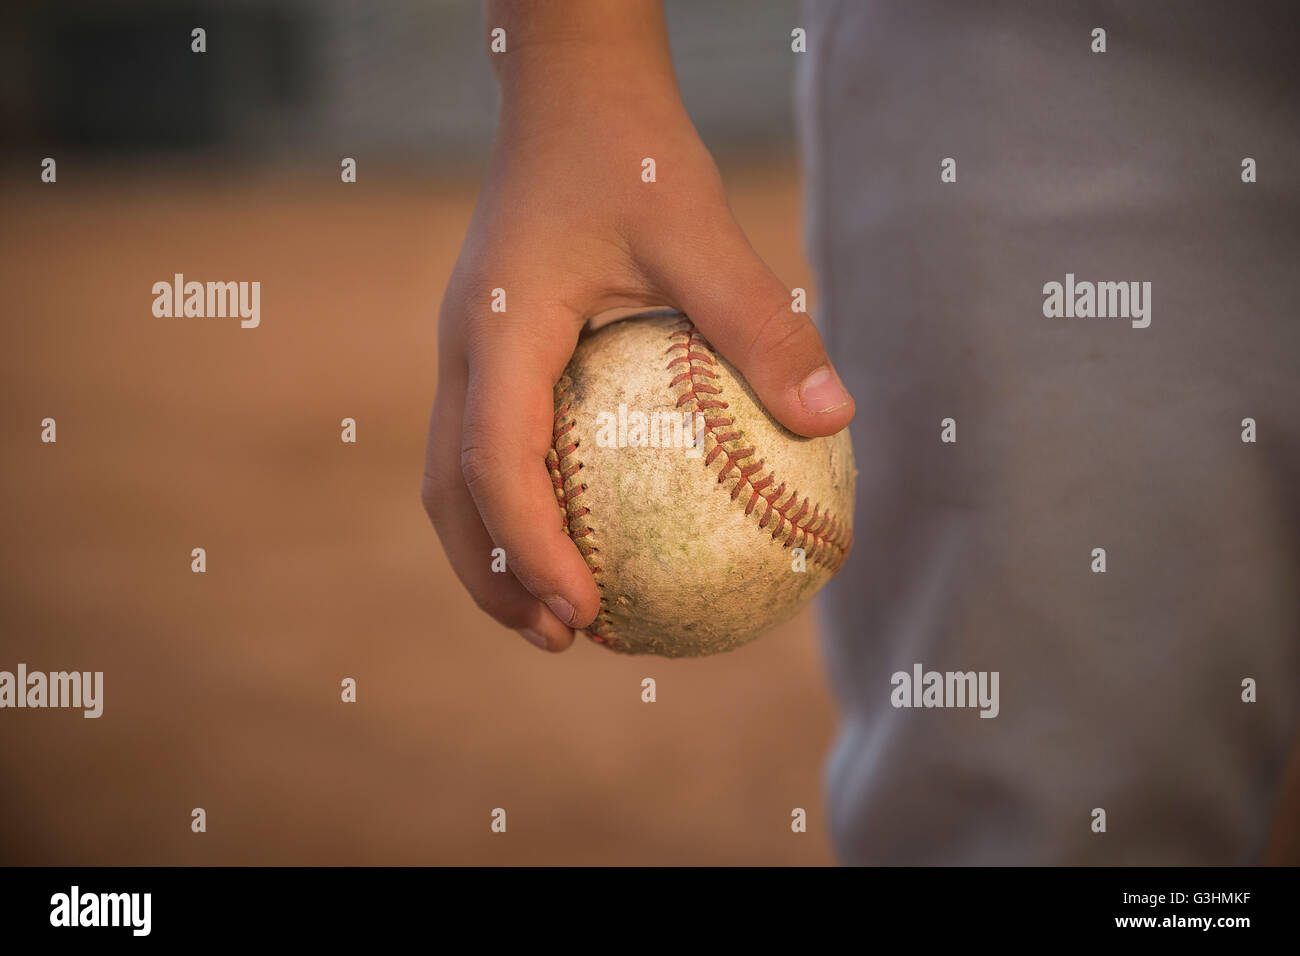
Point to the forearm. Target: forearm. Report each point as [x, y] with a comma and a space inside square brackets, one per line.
[573, 57]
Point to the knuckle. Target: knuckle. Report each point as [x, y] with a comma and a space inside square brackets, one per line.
[782, 332]
[478, 462]
[432, 495]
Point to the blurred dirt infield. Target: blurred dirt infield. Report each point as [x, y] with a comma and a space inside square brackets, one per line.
[221, 690]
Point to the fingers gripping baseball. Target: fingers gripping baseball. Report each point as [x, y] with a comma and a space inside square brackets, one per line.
[485, 572]
[496, 591]
[504, 441]
[748, 315]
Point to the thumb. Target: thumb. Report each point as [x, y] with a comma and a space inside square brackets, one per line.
[745, 313]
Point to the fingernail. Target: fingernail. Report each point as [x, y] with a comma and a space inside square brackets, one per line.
[560, 608]
[822, 391]
[532, 637]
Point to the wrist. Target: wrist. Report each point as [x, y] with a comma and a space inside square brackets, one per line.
[579, 56]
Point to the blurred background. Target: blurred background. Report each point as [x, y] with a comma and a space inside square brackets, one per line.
[222, 690]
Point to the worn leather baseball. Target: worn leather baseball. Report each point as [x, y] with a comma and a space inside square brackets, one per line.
[693, 548]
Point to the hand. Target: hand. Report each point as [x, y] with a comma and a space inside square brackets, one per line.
[567, 228]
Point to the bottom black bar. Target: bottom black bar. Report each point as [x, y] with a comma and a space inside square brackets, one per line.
[90, 905]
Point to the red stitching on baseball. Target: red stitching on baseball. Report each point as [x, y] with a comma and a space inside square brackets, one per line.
[563, 465]
[825, 539]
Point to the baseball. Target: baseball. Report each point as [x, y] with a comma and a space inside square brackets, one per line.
[704, 522]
